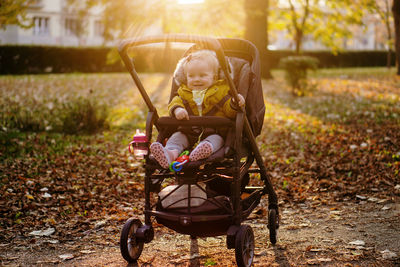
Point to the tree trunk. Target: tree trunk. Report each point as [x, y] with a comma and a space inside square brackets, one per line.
[389, 59]
[298, 40]
[396, 16]
[389, 32]
[257, 30]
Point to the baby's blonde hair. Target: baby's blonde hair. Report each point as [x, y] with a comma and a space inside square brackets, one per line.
[206, 55]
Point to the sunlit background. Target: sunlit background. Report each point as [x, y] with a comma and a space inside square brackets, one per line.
[283, 24]
[190, 1]
[64, 134]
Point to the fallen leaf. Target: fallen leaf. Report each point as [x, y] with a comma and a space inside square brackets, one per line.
[357, 243]
[388, 255]
[86, 251]
[353, 147]
[46, 195]
[65, 257]
[100, 224]
[29, 196]
[47, 232]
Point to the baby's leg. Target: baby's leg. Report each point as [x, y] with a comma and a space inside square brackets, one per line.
[206, 147]
[216, 141]
[175, 145]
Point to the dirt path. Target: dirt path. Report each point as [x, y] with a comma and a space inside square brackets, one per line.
[351, 233]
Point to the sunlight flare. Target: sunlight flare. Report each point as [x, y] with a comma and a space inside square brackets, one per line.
[186, 2]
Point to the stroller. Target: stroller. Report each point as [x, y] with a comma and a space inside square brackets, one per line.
[217, 198]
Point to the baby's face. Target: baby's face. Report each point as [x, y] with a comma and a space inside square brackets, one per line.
[199, 75]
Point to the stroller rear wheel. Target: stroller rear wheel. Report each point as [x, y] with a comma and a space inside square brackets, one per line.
[130, 246]
[244, 246]
[273, 225]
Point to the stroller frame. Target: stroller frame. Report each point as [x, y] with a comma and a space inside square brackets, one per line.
[239, 236]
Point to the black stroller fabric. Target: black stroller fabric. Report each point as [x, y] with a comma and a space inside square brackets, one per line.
[249, 85]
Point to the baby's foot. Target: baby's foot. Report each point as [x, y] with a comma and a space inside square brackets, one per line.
[202, 151]
[160, 154]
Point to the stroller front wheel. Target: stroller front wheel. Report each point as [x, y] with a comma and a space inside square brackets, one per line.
[244, 246]
[130, 246]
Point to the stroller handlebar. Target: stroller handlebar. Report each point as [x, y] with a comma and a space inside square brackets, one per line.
[208, 42]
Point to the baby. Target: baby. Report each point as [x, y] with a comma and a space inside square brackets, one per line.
[201, 94]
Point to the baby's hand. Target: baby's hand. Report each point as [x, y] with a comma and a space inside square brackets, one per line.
[241, 100]
[181, 113]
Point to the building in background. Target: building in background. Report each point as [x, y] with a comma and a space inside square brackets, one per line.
[56, 23]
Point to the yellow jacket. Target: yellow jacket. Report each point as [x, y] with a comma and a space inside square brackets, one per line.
[212, 97]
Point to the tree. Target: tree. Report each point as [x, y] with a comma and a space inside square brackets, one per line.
[120, 18]
[326, 21]
[396, 16]
[78, 23]
[256, 29]
[382, 9]
[14, 12]
[299, 25]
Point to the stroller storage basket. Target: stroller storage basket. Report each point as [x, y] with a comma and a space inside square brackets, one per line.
[212, 218]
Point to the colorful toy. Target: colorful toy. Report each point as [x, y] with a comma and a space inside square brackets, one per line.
[177, 164]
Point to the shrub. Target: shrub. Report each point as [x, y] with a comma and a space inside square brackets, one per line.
[83, 115]
[73, 116]
[296, 68]
[327, 59]
[21, 116]
[51, 59]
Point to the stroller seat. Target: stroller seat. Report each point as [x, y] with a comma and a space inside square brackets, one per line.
[168, 125]
[240, 74]
[217, 156]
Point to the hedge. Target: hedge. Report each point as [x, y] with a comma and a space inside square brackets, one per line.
[44, 59]
[50, 59]
[365, 58]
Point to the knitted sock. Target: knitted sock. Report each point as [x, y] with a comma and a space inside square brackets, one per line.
[202, 151]
[160, 154]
